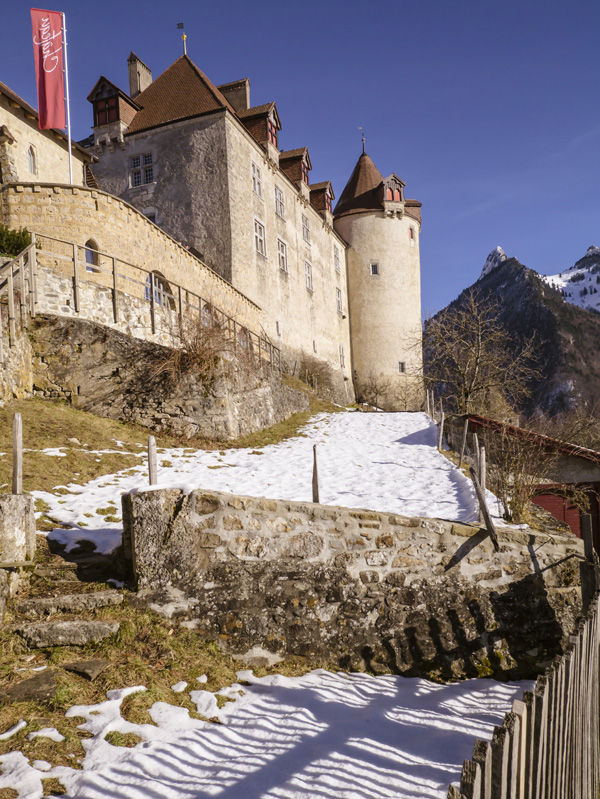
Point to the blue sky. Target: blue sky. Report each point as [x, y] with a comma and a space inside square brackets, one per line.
[489, 112]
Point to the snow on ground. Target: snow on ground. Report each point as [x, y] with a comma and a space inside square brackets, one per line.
[320, 736]
[579, 285]
[385, 462]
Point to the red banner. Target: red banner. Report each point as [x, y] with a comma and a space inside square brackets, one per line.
[48, 54]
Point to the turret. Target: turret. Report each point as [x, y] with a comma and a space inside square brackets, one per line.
[384, 286]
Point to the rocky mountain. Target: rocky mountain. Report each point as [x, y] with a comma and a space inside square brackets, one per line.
[568, 356]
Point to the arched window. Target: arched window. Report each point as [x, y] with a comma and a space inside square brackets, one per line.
[163, 296]
[32, 160]
[91, 256]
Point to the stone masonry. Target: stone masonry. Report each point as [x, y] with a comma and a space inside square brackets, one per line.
[356, 589]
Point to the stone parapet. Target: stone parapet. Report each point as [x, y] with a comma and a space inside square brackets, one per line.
[357, 588]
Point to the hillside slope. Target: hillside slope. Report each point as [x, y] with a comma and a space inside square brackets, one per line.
[568, 356]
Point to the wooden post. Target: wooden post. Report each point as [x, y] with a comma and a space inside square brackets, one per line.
[180, 310]
[32, 276]
[115, 300]
[441, 434]
[464, 442]
[152, 469]
[23, 300]
[76, 279]
[476, 452]
[315, 477]
[427, 405]
[152, 303]
[486, 516]
[482, 475]
[11, 308]
[17, 475]
[1, 336]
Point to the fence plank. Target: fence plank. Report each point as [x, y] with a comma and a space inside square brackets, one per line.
[23, 297]
[482, 755]
[500, 763]
[483, 507]
[17, 475]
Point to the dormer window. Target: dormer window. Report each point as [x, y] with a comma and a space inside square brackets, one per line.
[328, 202]
[272, 131]
[106, 110]
[304, 170]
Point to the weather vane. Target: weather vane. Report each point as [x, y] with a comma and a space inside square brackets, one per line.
[183, 36]
[360, 127]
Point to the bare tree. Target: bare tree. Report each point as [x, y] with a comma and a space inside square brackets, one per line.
[374, 390]
[473, 361]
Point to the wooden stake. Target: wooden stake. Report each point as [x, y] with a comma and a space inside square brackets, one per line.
[427, 405]
[152, 469]
[17, 476]
[115, 299]
[315, 477]
[476, 452]
[483, 507]
[482, 475]
[441, 435]
[32, 272]
[464, 442]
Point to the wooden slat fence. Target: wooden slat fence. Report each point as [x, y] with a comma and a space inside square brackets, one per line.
[549, 744]
[19, 289]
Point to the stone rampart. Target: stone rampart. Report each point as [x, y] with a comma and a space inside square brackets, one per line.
[354, 588]
[111, 374]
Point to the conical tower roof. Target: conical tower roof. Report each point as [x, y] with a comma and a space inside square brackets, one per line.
[361, 192]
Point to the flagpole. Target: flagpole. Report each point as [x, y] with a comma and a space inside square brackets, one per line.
[67, 99]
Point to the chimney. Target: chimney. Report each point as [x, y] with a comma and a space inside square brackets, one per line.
[238, 93]
[140, 76]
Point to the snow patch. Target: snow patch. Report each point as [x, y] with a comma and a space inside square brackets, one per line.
[494, 259]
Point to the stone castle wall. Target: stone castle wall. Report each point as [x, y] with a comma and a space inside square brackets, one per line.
[51, 151]
[80, 215]
[356, 589]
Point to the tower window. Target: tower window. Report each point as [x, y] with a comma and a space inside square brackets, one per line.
[338, 297]
[336, 258]
[304, 170]
[259, 238]
[374, 268]
[91, 256]
[107, 110]
[278, 328]
[256, 180]
[342, 356]
[272, 132]
[328, 202]
[402, 367]
[411, 234]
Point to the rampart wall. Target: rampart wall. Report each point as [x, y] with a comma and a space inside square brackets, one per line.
[353, 588]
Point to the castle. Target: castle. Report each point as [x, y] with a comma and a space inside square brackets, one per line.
[202, 166]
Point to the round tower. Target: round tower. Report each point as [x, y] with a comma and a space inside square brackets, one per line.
[384, 287]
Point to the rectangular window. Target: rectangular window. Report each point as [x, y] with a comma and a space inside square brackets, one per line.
[305, 229]
[279, 203]
[342, 356]
[256, 180]
[282, 255]
[401, 367]
[272, 132]
[308, 275]
[374, 268]
[304, 170]
[411, 233]
[278, 328]
[336, 258]
[141, 170]
[338, 297]
[259, 238]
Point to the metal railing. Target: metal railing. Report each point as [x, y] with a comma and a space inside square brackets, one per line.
[168, 302]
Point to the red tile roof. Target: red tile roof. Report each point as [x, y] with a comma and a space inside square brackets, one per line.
[181, 92]
[256, 111]
[361, 191]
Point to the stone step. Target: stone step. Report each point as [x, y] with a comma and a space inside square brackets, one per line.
[67, 603]
[66, 633]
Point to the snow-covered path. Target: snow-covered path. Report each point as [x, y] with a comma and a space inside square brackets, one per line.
[320, 736]
[379, 461]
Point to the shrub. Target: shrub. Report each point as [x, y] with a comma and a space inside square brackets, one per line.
[12, 242]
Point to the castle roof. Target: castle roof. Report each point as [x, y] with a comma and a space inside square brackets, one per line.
[361, 192]
[181, 92]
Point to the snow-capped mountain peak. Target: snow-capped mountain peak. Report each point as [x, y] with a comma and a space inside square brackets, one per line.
[580, 284]
[494, 259]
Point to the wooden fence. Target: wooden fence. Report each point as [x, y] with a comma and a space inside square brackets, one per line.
[19, 283]
[549, 744]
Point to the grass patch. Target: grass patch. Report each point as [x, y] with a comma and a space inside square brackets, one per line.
[52, 786]
[129, 739]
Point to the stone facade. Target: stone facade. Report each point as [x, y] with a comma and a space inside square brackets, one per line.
[20, 135]
[356, 589]
[110, 374]
[17, 541]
